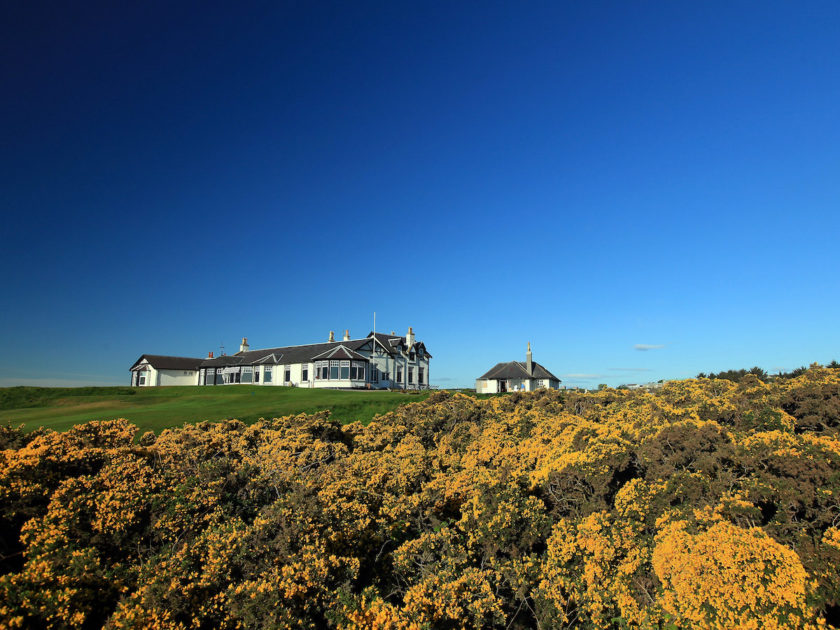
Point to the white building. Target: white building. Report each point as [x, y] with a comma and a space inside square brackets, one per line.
[151, 370]
[516, 376]
[374, 362]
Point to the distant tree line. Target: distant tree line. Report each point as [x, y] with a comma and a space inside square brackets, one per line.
[736, 375]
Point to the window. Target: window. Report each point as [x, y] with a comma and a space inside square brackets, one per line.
[256, 375]
[410, 375]
[322, 370]
[420, 375]
[357, 371]
[187, 373]
[247, 374]
[345, 370]
[333, 370]
[399, 375]
[374, 374]
[267, 374]
[287, 374]
[305, 372]
[385, 376]
[141, 378]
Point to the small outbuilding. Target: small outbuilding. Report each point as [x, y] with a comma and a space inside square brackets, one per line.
[516, 376]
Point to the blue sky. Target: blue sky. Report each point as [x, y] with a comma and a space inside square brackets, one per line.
[590, 177]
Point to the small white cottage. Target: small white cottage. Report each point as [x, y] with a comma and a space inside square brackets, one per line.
[151, 370]
[516, 376]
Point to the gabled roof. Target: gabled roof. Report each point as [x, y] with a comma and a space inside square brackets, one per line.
[516, 369]
[393, 344]
[161, 362]
[340, 352]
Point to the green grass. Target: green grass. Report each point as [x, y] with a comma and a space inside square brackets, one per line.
[157, 408]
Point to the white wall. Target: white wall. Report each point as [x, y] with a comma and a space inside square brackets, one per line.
[177, 377]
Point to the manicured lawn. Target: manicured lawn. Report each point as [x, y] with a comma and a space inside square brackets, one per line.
[156, 408]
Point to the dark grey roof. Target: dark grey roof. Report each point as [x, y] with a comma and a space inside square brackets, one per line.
[285, 355]
[340, 352]
[516, 369]
[393, 343]
[308, 352]
[161, 362]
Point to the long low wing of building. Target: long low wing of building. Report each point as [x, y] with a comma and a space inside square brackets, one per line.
[377, 361]
[151, 370]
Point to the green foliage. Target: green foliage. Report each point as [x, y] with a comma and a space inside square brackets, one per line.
[706, 504]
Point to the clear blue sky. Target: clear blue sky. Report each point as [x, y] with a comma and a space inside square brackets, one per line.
[587, 176]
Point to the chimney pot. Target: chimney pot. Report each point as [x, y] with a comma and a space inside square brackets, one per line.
[243, 347]
[347, 335]
[210, 355]
[332, 336]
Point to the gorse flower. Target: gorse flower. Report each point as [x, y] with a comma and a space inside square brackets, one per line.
[708, 504]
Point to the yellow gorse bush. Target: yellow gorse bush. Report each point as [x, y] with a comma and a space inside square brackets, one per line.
[708, 504]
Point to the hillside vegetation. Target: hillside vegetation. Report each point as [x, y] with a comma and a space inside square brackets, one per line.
[157, 408]
[708, 504]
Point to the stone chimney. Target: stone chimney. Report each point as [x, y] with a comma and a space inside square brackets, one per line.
[332, 337]
[529, 364]
[347, 335]
[210, 355]
[243, 347]
[409, 337]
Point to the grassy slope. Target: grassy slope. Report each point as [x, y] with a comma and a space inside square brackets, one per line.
[156, 408]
